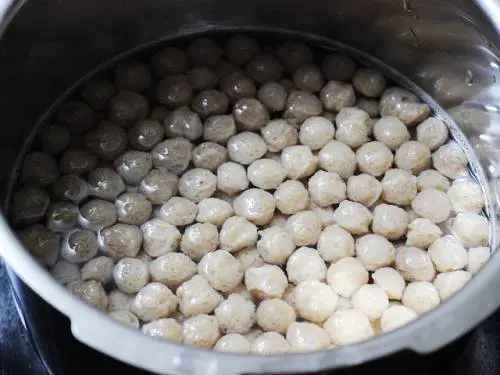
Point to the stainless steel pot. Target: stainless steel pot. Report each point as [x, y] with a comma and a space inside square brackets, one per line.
[449, 47]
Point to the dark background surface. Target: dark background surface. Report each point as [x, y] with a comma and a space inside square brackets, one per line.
[477, 353]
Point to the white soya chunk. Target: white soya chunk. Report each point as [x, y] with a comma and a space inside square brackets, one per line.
[420, 296]
[279, 134]
[398, 187]
[304, 264]
[450, 160]
[346, 276]
[167, 329]
[390, 281]
[221, 269]
[266, 173]
[202, 330]
[430, 178]
[375, 251]
[255, 205]
[233, 343]
[348, 327]
[337, 157]
[374, 158]
[246, 147]
[466, 195]
[352, 216]
[231, 178]
[395, 317]
[196, 296]
[352, 127]
[472, 229]
[335, 243]
[448, 254]
[130, 275]
[432, 132]
[364, 189]
[291, 197]
[179, 211]
[172, 269]
[477, 257]
[237, 233]
[275, 245]
[432, 204]
[304, 227]
[307, 337]
[316, 132]
[270, 343]
[326, 188]
[267, 281]
[413, 156]
[448, 283]
[275, 315]
[390, 221]
[371, 300]
[160, 237]
[199, 239]
[315, 301]
[236, 314]
[298, 161]
[422, 233]
[391, 131]
[214, 211]
[414, 264]
[154, 301]
[91, 292]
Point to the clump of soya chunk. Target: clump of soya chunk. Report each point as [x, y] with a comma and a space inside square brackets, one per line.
[260, 207]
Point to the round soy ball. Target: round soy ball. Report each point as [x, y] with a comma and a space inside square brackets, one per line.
[374, 158]
[472, 229]
[304, 227]
[308, 77]
[62, 216]
[172, 269]
[210, 103]
[107, 141]
[335, 243]
[133, 166]
[430, 178]
[183, 123]
[352, 127]
[273, 96]
[169, 60]
[266, 173]
[432, 132]
[369, 82]
[132, 75]
[209, 155]
[203, 52]
[127, 107]
[133, 208]
[375, 251]
[42, 243]
[237, 86]
[196, 296]
[299, 162]
[120, 240]
[337, 95]
[371, 300]
[449, 283]
[146, 134]
[199, 239]
[250, 114]
[264, 68]
[291, 197]
[97, 93]
[413, 156]
[476, 258]
[66, 273]
[246, 147]
[448, 254]
[154, 301]
[29, 205]
[105, 183]
[364, 188]
[390, 281]
[414, 264]
[130, 275]
[395, 317]
[337, 66]
[221, 270]
[275, 245]
[279, 134]
[301, 105]
[466, 195]
[78, 246]
[99, 269]
[166, 329]
[420, 296]
[450, 160]
[97, 214]
[179, 211]
[214, 211]
[231, 178]
[219, 129]
[353, 217]
[160, 237]
[77, 161]
[91, 292]
[391, 131]
[233, 343]
[275, 315]
[315, 301]
[337, 157]
[267, 281]
[348, 326]
[398, 187]
[316, 132]
[241, 48]
[293, 54]
[235, 314]
[197, 184]
[159, 186]
[172, 155]
[54, 139]
[326, 188]
[237, 233]
[76, 115]
[390, 221]
[422, 233]
[174, 91]
[304, 264]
